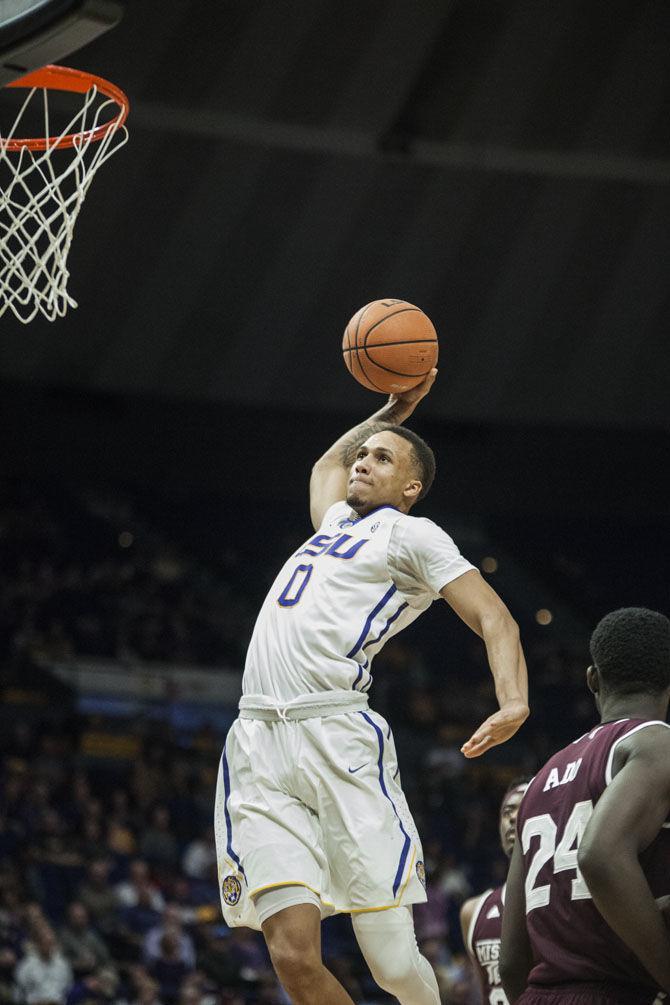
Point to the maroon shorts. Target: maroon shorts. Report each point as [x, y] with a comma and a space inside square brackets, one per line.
[588, 994]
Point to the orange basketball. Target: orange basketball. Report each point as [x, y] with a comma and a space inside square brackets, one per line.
[389, 346]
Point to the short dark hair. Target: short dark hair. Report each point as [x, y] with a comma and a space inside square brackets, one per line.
[422, 456]
[516, 783]
[631, 649]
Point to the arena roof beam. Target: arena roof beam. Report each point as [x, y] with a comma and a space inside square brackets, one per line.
[357, 143]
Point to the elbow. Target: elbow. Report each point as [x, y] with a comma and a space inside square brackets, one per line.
[595, 864]
[498, 622]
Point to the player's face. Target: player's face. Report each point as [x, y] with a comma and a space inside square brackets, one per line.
[382, 474]
[508, 814]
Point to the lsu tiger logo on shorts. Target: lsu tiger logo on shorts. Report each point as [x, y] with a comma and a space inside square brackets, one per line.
[421, 873]
[231, 890]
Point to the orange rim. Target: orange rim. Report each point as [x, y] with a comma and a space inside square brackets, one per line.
[63, 78]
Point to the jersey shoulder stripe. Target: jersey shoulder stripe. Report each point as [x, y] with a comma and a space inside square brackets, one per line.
[473, 921]
[635, 729]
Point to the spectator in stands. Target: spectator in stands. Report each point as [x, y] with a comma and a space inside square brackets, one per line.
[194, 991]
[170, 922]
[82, 946]
[158, 844]
[150, 776]
[99, 987]
[43, 976]
[169, 968]
[200, 855]
[33, 917]
[98, 897]
[91, 841]
[146, 989]
[138, 887]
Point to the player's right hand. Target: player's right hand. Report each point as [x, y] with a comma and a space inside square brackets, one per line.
[496, 729]
[410, 399]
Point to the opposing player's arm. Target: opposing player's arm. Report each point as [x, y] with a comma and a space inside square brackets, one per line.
[516, 958]
[328, 482]
[466, 915]
[480, 607]
[626, 819]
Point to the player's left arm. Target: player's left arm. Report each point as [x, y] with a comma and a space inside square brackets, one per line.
[516, 957]
[626, 819]
[482, 610]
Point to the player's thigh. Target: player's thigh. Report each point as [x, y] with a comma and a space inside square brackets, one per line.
[262, 829]
[368, 833]
[293, 931]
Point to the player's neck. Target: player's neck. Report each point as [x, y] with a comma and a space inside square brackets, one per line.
[633, 706]
[364, 511]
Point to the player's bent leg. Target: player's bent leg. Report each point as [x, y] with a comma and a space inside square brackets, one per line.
[388, 943]
[293, 937]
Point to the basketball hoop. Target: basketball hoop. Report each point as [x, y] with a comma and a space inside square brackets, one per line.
[43, 183]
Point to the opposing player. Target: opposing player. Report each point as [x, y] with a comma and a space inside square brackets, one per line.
[481, 917]
[581, 924]
[310, 816]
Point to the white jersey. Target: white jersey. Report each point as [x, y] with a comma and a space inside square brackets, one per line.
[352, 586]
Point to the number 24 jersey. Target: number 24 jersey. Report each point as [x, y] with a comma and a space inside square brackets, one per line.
[570, 940]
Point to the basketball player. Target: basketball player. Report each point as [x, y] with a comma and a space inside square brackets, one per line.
[310, 816]
[581, 924]
[481, 917]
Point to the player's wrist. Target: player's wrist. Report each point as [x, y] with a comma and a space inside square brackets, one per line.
[395, 411]
[516, 707]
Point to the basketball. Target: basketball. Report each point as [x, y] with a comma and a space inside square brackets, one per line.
[389, 346]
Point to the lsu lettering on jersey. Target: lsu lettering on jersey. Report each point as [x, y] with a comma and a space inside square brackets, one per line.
[347, 590]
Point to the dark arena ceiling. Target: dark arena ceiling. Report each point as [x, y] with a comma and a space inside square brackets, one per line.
[503, 164]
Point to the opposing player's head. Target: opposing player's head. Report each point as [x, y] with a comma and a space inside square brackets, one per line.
[393, 467]
[630, 649]
[509, 809]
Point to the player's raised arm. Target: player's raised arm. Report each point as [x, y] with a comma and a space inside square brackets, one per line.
[480, 607]
[328, 482]
[626, 819]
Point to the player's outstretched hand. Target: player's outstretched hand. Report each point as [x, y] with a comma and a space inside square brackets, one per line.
[496, 729]
[410, 399]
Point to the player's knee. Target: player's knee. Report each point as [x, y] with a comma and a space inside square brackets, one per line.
[393, 973]
[296, 963]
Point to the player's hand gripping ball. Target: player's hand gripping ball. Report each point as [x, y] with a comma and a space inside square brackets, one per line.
[390, 346]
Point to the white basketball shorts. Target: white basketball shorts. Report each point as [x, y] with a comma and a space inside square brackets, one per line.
[315, 803]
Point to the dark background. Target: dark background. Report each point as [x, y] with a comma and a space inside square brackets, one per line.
[502, 164]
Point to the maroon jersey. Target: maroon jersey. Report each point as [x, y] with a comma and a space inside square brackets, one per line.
[484, 943]
[571, 942]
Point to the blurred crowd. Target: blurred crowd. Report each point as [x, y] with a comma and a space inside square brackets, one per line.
[82, 573]
[108, 880]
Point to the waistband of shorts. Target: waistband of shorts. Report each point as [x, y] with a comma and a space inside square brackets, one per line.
[305, 706]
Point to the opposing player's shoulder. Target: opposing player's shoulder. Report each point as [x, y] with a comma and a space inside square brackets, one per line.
[470, 911]
[647, 741]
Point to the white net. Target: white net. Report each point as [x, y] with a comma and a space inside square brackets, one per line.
[41, 193]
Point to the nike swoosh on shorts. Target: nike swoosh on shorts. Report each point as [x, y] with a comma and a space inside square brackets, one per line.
[352, 771]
